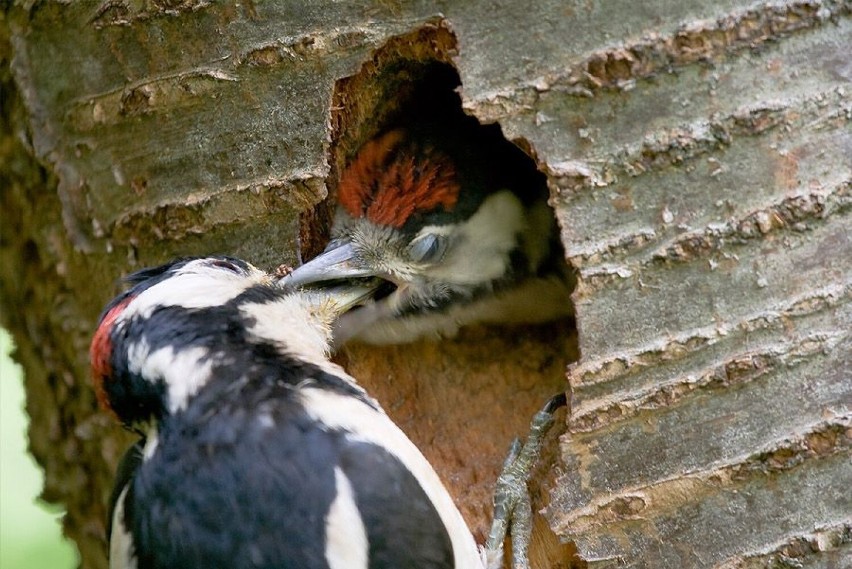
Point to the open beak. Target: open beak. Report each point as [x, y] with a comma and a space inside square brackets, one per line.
[340, 298]
[344, 297]
[339, 263]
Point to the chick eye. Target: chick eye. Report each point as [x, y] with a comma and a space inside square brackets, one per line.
[428, 249]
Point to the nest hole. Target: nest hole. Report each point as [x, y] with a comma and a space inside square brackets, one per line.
[461, 400]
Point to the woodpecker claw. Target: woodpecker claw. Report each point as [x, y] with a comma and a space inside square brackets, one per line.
[511, 496]
[521, 532]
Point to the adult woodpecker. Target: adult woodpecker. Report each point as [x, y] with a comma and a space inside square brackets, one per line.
[457, 218]
[258, 452]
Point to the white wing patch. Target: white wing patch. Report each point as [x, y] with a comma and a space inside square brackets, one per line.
[346, 544]
[121, 548]
[152, 441]
[368, 425]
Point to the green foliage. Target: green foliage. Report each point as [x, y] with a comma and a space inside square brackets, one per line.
[30, 533]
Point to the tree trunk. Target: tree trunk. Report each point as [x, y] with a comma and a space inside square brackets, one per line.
[699, 157]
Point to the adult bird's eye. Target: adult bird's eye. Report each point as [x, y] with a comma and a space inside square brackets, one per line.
[228, 265]
[428, 249]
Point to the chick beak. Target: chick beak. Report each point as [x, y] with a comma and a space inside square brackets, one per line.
[339, 263]
[346, 296]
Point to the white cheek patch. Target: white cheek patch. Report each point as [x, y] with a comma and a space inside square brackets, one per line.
[345, 535]
[184, 372]
[137, 353]
[368, 425]
[484, 242]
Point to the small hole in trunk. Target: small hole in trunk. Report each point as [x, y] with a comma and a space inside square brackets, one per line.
[461, 400]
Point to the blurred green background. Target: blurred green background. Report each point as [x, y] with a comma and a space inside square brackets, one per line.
[30, 534]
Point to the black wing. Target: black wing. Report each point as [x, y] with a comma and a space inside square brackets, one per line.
[226, 489]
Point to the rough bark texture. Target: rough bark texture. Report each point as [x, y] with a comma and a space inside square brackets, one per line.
[699, 160]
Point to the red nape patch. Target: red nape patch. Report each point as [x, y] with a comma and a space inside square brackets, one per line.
[100, 352]
[391, 179]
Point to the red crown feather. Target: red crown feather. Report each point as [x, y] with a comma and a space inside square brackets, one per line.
[390, 179]
[100, 352]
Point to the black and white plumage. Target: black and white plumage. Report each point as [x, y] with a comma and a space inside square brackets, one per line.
[258, 451]
[457, 219]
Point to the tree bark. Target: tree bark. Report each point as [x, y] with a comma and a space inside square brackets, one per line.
[699, 157]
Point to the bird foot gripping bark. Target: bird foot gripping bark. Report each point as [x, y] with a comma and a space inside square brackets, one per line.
[512, 504]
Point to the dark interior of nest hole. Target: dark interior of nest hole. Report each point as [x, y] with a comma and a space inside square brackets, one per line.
[461, 400]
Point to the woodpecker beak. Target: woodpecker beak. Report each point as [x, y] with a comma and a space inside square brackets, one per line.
[344, 297]
[333, 264]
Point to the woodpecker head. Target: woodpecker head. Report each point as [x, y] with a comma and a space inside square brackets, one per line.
[158, 343]
[443, 214]
[257, 450]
